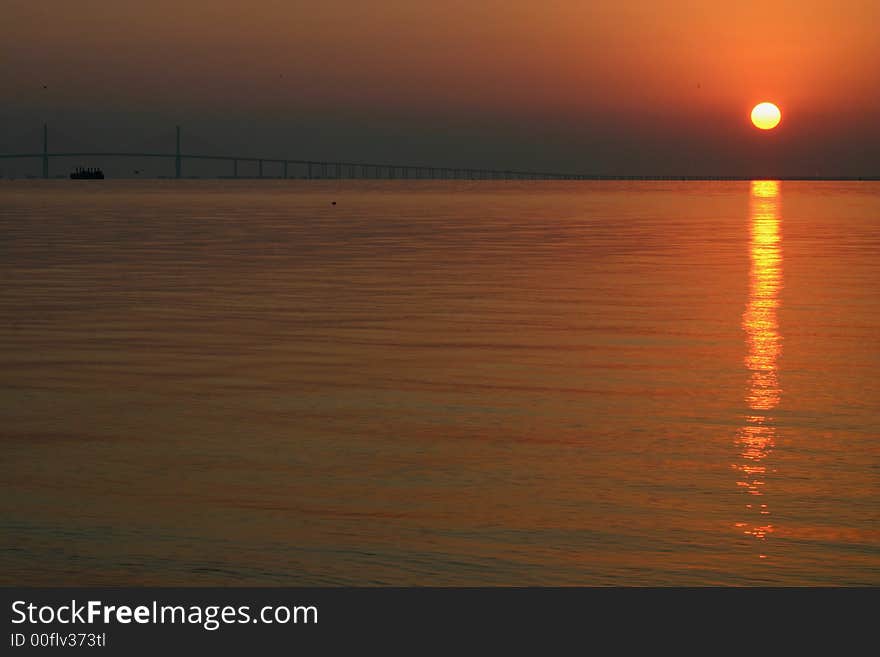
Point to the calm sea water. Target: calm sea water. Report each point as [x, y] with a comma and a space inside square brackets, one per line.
[439, 383]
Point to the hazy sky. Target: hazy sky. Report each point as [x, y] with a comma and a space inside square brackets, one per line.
[609, 86]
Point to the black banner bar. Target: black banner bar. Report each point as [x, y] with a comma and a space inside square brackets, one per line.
[179, 620]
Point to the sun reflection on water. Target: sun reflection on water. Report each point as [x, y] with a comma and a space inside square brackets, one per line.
[757, 437]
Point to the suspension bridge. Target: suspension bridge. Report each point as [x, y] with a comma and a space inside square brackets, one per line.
[286, 167]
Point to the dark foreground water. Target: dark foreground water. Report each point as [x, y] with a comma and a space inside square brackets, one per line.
[439, 383]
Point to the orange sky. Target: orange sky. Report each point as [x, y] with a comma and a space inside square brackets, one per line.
[662, 72]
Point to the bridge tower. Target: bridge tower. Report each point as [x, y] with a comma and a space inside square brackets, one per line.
[45, 150]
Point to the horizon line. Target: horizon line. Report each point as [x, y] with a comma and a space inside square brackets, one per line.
[566, 178]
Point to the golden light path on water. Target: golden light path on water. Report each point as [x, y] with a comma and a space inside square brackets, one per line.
[757, 436]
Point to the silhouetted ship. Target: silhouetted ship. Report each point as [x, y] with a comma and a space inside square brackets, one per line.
[87, 174]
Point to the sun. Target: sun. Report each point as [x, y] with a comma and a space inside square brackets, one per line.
[766, 116]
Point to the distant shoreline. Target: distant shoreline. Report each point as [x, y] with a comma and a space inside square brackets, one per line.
[573, 178]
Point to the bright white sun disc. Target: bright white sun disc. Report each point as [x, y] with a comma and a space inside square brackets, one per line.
[766, 116]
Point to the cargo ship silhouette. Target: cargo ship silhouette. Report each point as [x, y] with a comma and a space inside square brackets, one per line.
[87, 174]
